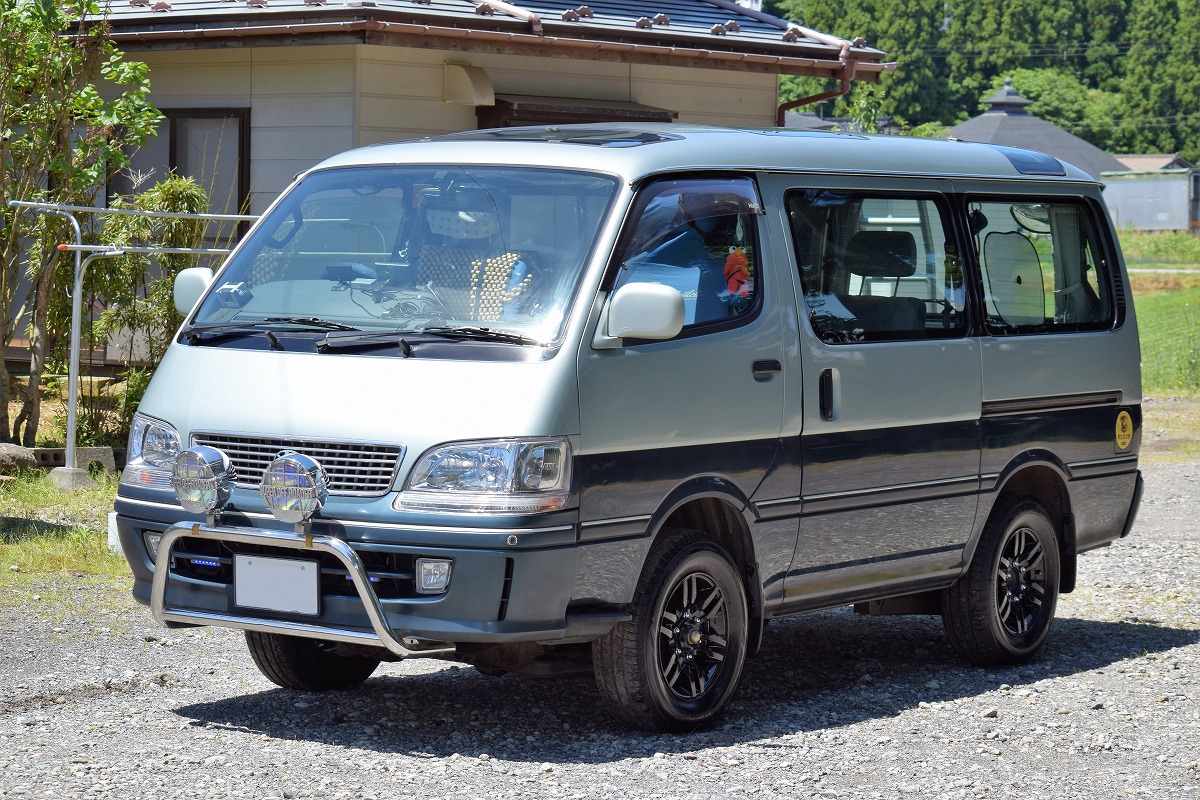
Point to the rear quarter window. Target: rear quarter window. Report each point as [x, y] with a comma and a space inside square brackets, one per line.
[1043, 267]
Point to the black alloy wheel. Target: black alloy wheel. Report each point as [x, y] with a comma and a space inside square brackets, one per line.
[1020, 581]
[1000, 611]
[677, 663]
[693, 636]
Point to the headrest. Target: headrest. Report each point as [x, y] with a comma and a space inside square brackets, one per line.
[882, 254]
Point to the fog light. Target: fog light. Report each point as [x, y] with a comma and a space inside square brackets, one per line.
[202, 478]
[294, 487]
[433, 575]
[152, 541]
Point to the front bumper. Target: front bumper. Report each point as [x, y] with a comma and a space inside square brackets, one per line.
[381, 632]
[508, 585]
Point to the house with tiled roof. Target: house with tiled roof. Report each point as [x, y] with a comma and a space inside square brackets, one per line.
[255, 91]
[1007, 121]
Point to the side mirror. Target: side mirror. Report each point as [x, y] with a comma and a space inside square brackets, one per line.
[641, 311]
[190, 285]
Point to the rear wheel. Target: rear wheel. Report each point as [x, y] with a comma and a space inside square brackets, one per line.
[676, 664]
[1000, 611]
[311, 665]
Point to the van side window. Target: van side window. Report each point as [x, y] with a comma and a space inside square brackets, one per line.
[1041, 267]
[877, 267]
[697, 235]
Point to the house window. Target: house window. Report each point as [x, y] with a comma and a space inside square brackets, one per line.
[211, 145]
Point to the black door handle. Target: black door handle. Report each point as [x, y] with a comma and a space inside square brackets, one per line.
[766, 368]
[825, 390]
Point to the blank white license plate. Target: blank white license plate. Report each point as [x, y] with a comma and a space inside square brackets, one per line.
[276, 584]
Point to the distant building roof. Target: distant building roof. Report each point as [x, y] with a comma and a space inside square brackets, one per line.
[1153, 161]
[1008, 122]
[805, 121]
[700, 33]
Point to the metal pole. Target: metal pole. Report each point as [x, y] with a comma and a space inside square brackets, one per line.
[104, 248]
[133, 212]
[73, 369]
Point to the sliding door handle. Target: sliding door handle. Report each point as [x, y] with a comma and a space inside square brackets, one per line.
[830, 394]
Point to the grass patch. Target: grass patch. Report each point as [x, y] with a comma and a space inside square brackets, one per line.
[46, 531]
[1163, 250]
[1169, 326]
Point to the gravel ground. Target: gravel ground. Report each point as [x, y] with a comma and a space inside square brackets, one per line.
[98, 702]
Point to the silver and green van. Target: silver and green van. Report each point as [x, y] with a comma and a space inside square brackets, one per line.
[612, 397]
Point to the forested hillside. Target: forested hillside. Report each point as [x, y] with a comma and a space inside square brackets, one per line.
[1122, 74]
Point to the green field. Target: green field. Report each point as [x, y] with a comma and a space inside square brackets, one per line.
[1169, 324]
[1160, 250]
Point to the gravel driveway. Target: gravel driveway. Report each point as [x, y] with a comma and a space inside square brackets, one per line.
[98, 702]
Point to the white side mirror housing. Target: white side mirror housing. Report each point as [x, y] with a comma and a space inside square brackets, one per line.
[190, 285]
[652, 311]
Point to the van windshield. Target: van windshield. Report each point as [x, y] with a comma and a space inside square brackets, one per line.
[414, 248]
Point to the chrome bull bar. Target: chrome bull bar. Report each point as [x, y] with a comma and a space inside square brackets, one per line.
[382, 632]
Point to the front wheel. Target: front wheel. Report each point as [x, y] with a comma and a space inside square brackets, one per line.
[311, 665]
[676, 664]
[1000, 611]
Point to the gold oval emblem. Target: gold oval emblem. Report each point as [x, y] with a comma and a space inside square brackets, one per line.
[1124, 430]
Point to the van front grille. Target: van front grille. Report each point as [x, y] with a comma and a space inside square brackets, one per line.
[354, 468]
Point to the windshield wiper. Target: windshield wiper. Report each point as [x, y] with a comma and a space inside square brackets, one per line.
[363, 340]
[481, 334]
[229, 330]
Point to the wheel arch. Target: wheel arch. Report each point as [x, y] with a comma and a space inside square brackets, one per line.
[1043, 478]
[716, 507]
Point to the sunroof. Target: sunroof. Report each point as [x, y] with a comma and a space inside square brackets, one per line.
[1028, 162]
[594, 137]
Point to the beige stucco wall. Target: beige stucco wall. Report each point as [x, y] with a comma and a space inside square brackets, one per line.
[400, 90]
[301, 101]
[309, 102]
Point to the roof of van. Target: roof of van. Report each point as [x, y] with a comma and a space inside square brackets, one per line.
[633, 150]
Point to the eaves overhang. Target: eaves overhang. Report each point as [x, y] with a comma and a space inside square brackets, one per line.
[744, 40]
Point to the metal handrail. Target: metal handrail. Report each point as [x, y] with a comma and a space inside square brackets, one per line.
[105, 251]
[133, 211]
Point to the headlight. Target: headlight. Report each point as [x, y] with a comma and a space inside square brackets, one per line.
[202, 479]
[150, 459]
[294, 487]
[506, 477]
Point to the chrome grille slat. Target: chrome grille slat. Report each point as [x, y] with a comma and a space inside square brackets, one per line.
[354, 468]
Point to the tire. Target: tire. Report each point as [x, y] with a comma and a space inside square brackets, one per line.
[677, 663]
[999, 613]
[310, 665]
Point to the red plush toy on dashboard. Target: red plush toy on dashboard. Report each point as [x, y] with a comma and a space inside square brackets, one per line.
[737, 272]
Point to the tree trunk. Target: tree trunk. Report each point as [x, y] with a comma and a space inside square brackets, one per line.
[5, 382]
[39, 351]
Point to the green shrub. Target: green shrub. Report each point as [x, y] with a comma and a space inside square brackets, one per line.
[1166, 249]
